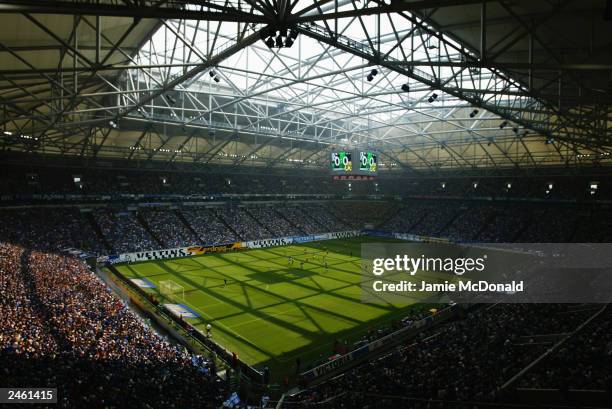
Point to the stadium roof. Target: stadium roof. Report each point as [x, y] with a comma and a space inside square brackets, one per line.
[517, 83]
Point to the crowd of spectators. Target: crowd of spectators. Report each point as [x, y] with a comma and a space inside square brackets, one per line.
[435, 219]
[168, 227]
[124, 232]
[49, 228]
[208, 227]
[501, 222]
[245, 225]
[274, 222]
[320, 214]
[62, 327]
[584, 362]
[115, 231]
[405, 218]
[506, 224]
[467, 225]
[359, 214]
[299, 218]
[465, 360]
[593, 226]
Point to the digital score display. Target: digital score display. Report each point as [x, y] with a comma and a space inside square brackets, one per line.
[354, 163]
[367, 162]
[342, 161]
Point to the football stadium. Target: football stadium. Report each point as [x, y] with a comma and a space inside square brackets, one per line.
[297, 204]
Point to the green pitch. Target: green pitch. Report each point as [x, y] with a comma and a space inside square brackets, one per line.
[271, 312]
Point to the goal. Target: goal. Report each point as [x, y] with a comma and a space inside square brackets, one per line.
[171, 290]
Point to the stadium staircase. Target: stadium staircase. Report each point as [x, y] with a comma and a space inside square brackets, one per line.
[537, 396]
[98, 231]
[488, 222]
[449, 222]
[184, 220]
[570, 239]
[38, 305]
[519, 232]
[393, 209]
[418, 221]
[146, 226]
[252, 216]
[337, 216]
[222, 220]
[282, 216]
[306, 216]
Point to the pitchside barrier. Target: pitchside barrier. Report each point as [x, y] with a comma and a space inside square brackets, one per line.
[191, 251]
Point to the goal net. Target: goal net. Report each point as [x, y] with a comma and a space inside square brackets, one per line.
[171, 290]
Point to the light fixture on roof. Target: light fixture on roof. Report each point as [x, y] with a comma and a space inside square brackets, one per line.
[473, 113]
[216, 78]
[432, 98]
[113, 124]
[285, 38]
[372, 74]
[406, 88]
[503, 125]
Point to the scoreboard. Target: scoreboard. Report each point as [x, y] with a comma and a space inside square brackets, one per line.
[342, 161]
[367, 162]
[354, 164]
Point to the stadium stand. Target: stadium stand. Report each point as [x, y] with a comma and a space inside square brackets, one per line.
[87, 328]
[62, 327]
[434, 367]
[208, 227]
[124, 232]
[167, 226]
